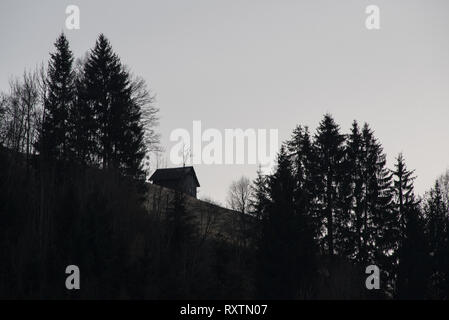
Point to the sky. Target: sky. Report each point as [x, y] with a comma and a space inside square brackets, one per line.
[265, 65]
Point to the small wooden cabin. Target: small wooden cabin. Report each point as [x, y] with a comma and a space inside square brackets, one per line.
[182, 179]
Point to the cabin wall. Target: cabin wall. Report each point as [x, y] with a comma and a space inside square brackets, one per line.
[187, 185]
[170, 184]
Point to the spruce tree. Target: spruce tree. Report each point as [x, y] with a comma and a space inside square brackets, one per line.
[409, 259]
[58, 102]
[286, 248]
[377, 196]
[403, 193]
[119, 131]
[437, 229]
[258, 202]
[366, 189]
[354, 186]
[295, 148]
[259, 194]
[303, 159]
[413, 255]
[301, 153]
[329, 148]
[83, 125]
[436, 222]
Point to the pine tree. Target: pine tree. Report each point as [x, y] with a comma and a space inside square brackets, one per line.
[436, 212]
[258, 207]
[376, 204]
[58, 101]
[409, 259]
[437, 228]
[303, 159]
[259, 196]
[413, 255]
[366, 197]
[295, 148]
[83, 125]
[286, 248]
[379, 198]
[300, 150]
[119, 132]
[354, 186]
[403, 193]
[329, 148]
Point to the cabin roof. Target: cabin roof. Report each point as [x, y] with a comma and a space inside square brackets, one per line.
[173, 174]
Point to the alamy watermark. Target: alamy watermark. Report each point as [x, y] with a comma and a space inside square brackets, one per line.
[72, 21]
[72, 282]
[373, 280]
[233, 146]
[372, 21]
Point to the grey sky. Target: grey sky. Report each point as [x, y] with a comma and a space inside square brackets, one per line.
[266, 64]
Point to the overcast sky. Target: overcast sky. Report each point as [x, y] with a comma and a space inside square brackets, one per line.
[266, 64]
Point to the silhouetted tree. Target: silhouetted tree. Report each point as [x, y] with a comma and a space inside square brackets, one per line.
[437, 225]
[83, 126]
[59, 101]
[239, 195]
[413, 255]
[286, 249]
[354, 186]
[409, 259]
[370, 195]
[239, 199]
[303, 158]
[119, 132]
[329, 148]
[21, 113]
[259, 195]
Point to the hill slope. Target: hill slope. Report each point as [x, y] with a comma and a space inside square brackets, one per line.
[211, 219]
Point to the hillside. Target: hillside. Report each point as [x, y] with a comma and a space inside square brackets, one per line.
[211, 219]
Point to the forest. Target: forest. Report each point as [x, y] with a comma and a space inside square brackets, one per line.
[75, 143]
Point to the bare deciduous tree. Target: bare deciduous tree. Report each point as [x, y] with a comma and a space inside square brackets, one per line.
[21, 112]
[239, 199]
[239, 195]
[142, 97]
